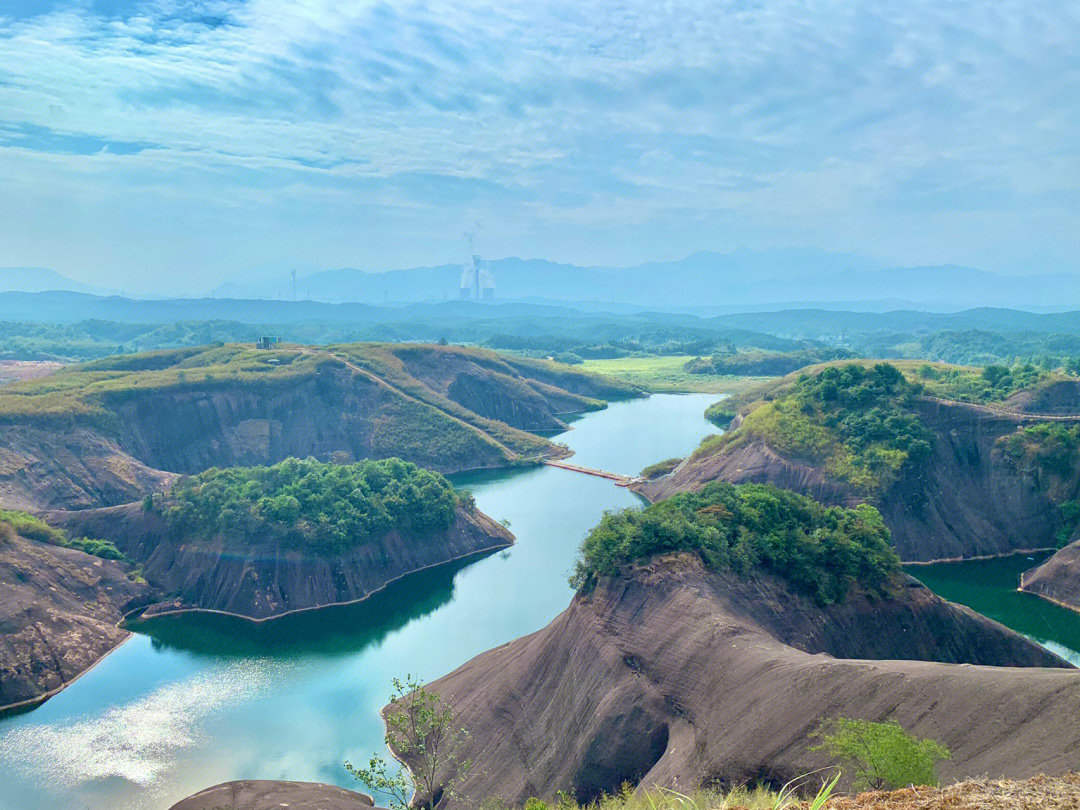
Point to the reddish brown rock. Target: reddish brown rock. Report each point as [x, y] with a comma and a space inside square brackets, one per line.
[1057, 579]
[675, 676]
[260, 794]
[59, 611]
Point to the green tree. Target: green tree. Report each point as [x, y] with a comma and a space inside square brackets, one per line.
[883, 756]
[422, 733]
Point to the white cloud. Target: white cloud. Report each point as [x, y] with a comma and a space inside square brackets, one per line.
[539, 115]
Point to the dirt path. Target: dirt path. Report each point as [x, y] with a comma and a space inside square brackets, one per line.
[999, 411]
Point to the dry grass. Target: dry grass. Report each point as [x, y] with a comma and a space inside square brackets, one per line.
[1038, 793]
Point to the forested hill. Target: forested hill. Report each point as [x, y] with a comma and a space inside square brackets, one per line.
[954, 458]
[111, 430]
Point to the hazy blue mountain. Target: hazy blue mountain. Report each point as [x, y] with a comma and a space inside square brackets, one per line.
[41, 279]
[703, 282]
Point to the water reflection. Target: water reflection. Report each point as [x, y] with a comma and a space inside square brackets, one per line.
[338, 630]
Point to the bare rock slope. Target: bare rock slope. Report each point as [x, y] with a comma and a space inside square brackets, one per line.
[673, 675]
[59, 613]
[262, 581]
[1057, 579]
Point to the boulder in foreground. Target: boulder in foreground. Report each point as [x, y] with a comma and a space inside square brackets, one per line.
[263, 794]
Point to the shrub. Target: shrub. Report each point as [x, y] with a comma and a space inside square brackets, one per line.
[820, 551]
[883, 756]
[33, 528]
[855, 421]
[660, 468]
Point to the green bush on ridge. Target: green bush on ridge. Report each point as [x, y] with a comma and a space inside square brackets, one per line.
[32, 528]
[855, 421]
[823, 552]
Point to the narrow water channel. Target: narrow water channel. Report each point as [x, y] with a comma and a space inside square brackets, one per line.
[192, 700]
[990, 587]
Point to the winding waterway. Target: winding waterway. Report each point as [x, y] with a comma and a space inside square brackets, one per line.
[193, 700]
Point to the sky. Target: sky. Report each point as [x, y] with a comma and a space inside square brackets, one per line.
[168, 145]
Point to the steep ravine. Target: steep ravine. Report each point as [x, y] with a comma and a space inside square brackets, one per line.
[966, 500]
[608, 692]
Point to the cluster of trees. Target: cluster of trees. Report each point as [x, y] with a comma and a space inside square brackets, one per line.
[819, 551]
[854, 420]
[760, 363]
[327, 508]
[32, 528]
[977, 347]
[990, 384]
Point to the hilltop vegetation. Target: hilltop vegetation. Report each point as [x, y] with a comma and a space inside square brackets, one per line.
[856, 420]
[760, 363]
[326, 508]
[823, 552]
[853, 420]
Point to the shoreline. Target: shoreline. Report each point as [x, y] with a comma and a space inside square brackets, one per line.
[182, 610]
[30, 704]
[1050, 599]
[24, 706]
[979, 557]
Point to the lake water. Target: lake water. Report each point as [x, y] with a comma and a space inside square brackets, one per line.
[990, 587]
[194, 700]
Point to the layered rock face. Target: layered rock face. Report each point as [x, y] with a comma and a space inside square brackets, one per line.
[967, 500]
[672, 675]
[59, 613]
[1057, 579]
[264, 580]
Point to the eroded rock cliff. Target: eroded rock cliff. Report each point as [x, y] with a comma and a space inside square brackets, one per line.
[1057, 579]
[262, 580]
[59, 614]
[968, 499]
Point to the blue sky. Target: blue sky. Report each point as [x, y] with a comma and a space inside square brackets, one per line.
[165, 145]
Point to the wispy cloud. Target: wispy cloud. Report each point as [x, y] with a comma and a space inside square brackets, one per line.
[366, 133]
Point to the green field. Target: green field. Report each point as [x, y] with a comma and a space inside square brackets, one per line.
[666, 373]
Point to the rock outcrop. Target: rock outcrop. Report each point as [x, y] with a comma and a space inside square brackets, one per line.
[264, 794]
[59, 614]
[966, 500]
[264, 580]
[1057, 579]
[674, 675]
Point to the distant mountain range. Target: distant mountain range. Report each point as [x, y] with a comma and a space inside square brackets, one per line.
[703, 283]
[41, 279]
